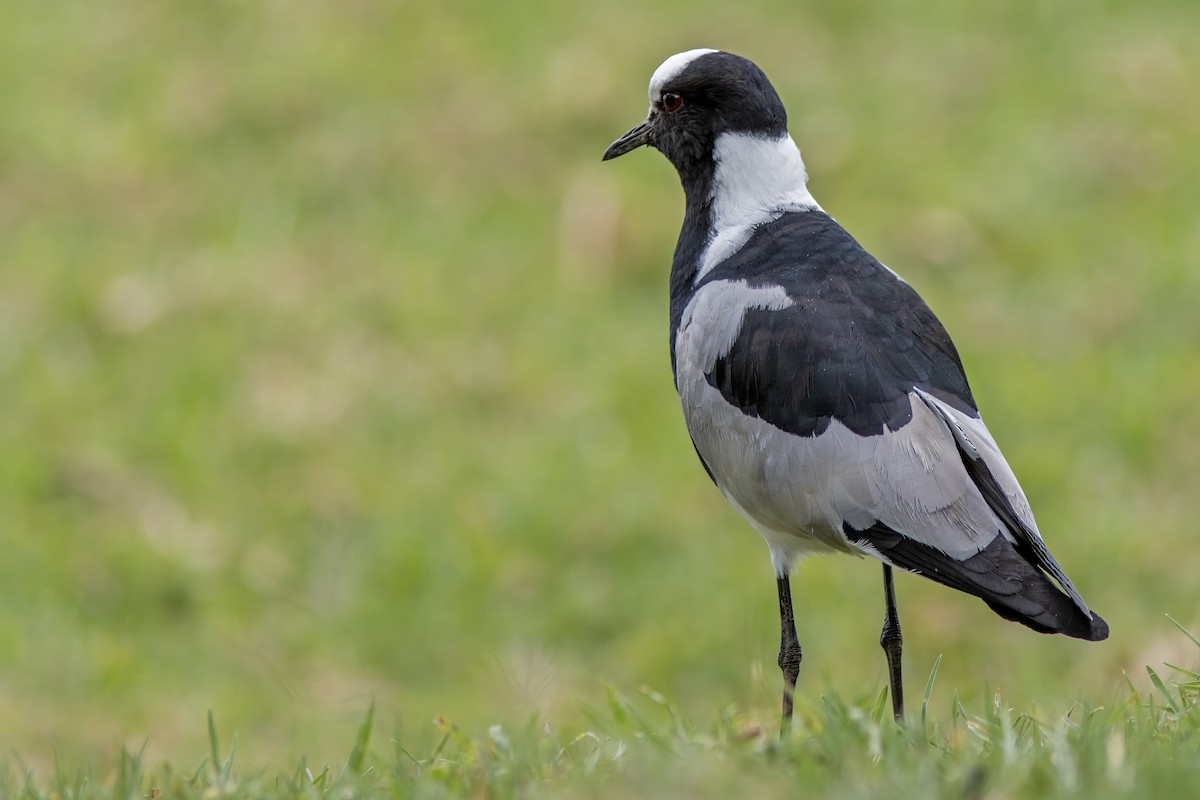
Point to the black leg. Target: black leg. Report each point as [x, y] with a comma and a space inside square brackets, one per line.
[789, 650]
[892, 642]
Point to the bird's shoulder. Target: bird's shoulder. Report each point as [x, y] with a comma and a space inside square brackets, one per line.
[851, 341]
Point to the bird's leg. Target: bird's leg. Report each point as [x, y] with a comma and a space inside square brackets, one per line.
[892, 643]
[789, 650]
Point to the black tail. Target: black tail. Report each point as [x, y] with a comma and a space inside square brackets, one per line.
[998, 574]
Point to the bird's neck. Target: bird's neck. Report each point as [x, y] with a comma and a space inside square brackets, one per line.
[694, 237]
[750, 180]
[755, 179]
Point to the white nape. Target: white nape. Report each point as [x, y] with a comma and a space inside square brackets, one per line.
[757, 180]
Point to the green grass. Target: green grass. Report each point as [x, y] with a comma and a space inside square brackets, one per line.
[1140, 745]
[334, 373]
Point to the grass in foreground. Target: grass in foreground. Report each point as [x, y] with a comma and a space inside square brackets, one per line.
[1145, 744]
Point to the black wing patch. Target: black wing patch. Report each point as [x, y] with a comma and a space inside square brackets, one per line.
[998, 574]
[851, 348]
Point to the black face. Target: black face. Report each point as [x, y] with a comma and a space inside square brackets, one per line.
[717, 93]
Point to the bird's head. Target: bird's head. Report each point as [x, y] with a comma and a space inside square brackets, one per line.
[695, 97]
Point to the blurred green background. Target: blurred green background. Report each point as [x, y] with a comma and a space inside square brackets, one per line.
[334, 363]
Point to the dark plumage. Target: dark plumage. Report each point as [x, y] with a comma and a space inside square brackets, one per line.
[852, 348]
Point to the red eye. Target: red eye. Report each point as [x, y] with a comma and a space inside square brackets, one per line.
[671, 102]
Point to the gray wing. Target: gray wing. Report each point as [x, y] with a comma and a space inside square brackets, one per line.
[995, 480]
[1013, 572]
[934, 496]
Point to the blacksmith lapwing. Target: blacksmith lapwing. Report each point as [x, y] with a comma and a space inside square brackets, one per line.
[824, 398]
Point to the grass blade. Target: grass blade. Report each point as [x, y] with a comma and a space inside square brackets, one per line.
[1186, 632]
[1190, 673]
[1158, 684]
[213, 749]
[227, 767]
[358, 753]
[880, 704]
[929, 691]
[437, 751]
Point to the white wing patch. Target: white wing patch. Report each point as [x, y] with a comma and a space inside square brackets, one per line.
[713, 318]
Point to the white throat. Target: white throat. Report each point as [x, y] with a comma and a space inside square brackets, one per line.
[757, 180]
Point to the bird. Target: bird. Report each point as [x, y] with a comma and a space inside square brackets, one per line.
[824, 398]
